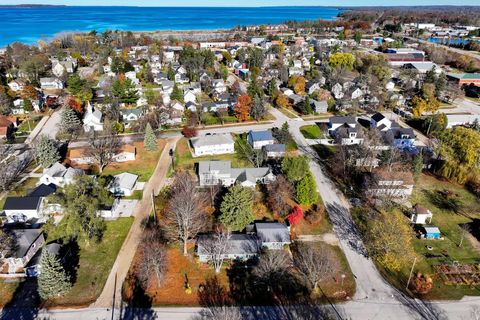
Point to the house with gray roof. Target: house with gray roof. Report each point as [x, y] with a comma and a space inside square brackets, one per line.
[273, 235]
[23, 209]
[27, 243]
[130, 115]
[59, 175]
[221, 172]
[123, 184]
[213, 144]
[239, 247]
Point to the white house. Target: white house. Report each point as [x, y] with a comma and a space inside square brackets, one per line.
[213, 144]
[51, 83]
[16, 85]
[239, 247]
[189, 96]
[123, 184]
[59, 175]
[219, 86]
[420, 215]
[23, 209]
[258, 139]
[92, 120]
[221, 172]
[380, 122]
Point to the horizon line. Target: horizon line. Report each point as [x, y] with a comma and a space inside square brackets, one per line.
[224, 6]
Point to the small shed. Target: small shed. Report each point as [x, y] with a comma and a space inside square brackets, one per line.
[420, 215]
[431, 232]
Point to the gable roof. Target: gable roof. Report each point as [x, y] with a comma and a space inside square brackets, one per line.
[276, 147]
[261, 135]
[124, 180]
[342, 120]
[24, 239]
[238, 244]
[272, 232]
[378, 117]
[42, 190]
[211, 140]
[21, 203]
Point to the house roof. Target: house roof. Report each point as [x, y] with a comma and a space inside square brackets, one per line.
[276, 147]
[421, 209]
[465, 76]
[21, 203]
[396, 174]
[378, 117]
[211, 140]
[56, 170]
[261, 135]
[272, 232]
[124, 180]
[42, 190]
[342, 120]
[24, 239]
[239, 174]
[238, 244]
[431, 229]
[5, 122]
[423, 65]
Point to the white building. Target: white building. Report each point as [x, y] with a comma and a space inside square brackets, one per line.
[59, 175]
[123, 184]
[51, 83]
[213, 144]
[92, 120]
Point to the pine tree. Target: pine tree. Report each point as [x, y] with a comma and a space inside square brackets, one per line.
[150, 140]
[46, 152]
[237, 208]
[69, 121]
[306, 190]
[52, 280]
[176, 93]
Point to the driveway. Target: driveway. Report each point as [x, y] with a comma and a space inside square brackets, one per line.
[49, 126]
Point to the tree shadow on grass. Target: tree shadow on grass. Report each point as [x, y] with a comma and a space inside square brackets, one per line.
[25, 303]
[444, 200]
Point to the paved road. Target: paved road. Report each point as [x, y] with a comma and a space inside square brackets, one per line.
[112, 289]
[47, 126]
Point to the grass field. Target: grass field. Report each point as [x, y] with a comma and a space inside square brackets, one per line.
[29, 125]
[448, 216]
[7, 289]
[96, 261]
[312, 132]
[144, 165]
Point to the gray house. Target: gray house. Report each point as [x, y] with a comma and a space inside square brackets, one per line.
[239, 247]
[221, 172]
[27, 243]
[273, 235]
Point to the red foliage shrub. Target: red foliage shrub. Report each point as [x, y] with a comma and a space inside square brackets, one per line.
[189, 132]
[295, 216]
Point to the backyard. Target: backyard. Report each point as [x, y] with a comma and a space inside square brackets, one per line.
[452, 207]
[95, 262]
[144, 165]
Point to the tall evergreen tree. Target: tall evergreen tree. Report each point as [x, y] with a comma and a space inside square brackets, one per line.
[46, 152]
[176, 93]
[306, 190]
[69, 121]
[236, 208]
[150, 140]
[52, 281]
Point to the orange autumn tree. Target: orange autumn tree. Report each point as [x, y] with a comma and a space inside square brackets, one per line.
[242, 107]
[73, 103]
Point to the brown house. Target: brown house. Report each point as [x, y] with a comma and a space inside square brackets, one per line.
[6, 127]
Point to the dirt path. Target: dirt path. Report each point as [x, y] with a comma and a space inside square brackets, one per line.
[112, 289]
[328, 238]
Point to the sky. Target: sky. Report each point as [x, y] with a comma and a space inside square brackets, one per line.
[236, 3]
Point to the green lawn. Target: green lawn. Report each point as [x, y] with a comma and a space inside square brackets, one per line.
[184, 159]
[29, 125]
[288, 112]
[96, 261]
[312, 132]
[447, 250]
[144, 165]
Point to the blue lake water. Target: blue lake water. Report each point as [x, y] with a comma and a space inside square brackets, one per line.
[32, 24]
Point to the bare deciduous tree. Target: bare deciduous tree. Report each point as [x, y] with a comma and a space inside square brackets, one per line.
[186, 210]
[280, 192]
[272, 267]
[315, 263]
[216, 247]
[153, 263]
[103, 149]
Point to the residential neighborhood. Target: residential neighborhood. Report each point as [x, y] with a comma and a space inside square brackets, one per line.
[324, 164]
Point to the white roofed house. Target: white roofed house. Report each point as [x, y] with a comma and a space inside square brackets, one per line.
[221, 172]
[346, 129]
[213, 144]
[189, 96]
[16, 85]
[421, 215]
[59, 175]
[51, 83]
[239, 247]
[219, 86]
[123, 184]
[92, 120]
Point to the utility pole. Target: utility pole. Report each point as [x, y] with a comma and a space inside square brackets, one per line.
[411, 271]
[154, 211]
